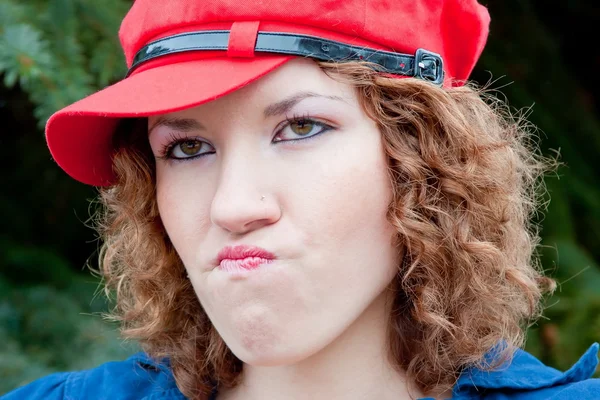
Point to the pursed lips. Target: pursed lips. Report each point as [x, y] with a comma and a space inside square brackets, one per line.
[243, 257]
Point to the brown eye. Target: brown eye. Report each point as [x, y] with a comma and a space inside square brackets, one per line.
[302, 127]
[190, 147]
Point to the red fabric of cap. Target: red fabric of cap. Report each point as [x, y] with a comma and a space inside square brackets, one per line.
[242, 39]
[80, 135]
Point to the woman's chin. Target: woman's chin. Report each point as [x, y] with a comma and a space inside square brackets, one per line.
[272, 351]
[272, 358]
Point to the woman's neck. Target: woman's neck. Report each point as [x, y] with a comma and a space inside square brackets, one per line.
[355, 366]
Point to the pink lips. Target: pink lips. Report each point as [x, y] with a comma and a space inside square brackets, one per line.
[243, 258]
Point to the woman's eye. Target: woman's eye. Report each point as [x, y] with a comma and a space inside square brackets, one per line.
[186, 149]
[303, 127]
[300, 129]
[293, 130]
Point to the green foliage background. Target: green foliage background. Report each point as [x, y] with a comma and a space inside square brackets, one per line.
[54, 52]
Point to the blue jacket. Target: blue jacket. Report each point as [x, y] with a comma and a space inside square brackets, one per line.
[139, 378]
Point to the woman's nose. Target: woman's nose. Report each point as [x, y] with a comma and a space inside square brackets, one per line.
[238, 205]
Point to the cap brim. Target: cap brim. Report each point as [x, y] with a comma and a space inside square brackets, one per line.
[80, 136]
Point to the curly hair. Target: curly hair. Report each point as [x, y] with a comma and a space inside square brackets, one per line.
[465, 174]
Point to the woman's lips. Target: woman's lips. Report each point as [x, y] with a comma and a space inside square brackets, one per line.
[243, 264]
[243, 258]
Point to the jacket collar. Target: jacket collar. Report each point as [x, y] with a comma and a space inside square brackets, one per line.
[525, 372]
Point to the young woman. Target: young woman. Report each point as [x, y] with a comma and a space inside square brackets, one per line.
[303, 200]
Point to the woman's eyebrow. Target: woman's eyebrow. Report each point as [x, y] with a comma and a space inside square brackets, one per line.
[179, 124]
[285, 105]
[278, 108]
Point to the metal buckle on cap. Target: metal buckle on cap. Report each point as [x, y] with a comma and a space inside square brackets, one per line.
[424, 64]
[429, 66]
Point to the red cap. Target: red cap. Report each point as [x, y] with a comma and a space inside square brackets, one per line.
[182, 53]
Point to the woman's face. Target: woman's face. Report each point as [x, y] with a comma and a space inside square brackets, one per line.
[301, 140]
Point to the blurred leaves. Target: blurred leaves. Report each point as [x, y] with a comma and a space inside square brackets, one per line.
[52, 53]
[527, 48]
[59, 51]
[44, 329]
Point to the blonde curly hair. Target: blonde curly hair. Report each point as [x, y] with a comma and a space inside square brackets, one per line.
[465, 175]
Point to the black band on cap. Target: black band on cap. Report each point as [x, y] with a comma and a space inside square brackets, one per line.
[424, 64]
